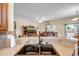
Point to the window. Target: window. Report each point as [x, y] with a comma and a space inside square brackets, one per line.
[71, 29]
[51, 28]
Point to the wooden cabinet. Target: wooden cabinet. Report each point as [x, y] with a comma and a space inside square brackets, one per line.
[3, 17]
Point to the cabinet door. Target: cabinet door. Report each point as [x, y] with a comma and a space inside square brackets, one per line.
[3, 17]
[0, 14]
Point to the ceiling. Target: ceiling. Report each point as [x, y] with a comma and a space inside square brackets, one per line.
[45, 11]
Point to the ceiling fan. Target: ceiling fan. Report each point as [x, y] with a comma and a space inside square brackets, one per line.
[41, 19]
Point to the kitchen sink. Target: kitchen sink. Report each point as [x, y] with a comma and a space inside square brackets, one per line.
[37, 48]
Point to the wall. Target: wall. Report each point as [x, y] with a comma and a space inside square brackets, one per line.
[10, 35]
[59, 24]
[10, 17]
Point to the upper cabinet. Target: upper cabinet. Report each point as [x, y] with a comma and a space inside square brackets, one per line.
[3, 17]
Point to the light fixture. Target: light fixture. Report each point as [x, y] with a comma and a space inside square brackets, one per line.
[38, 19]
[76, 18]
[41, 19]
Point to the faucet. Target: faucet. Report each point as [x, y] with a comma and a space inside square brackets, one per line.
[40, 40]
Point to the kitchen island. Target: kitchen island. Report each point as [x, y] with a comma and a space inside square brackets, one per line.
[64, 48]
[59, 46]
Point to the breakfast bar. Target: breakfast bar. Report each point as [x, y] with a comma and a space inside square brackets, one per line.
[61, 49]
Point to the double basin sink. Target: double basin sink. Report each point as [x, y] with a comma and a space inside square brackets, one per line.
[39, 48]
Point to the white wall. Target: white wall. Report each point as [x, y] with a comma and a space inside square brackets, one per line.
[10, 17]
[11, 37]
[59, 24]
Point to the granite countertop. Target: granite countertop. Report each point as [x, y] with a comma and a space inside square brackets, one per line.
[20, 43]
[64, 47]
[63, 50]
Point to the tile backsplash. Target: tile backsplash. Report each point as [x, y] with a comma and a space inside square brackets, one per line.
[3, 40]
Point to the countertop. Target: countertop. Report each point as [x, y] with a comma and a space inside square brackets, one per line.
[60, 47]
[20, 43]
[63, 48]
